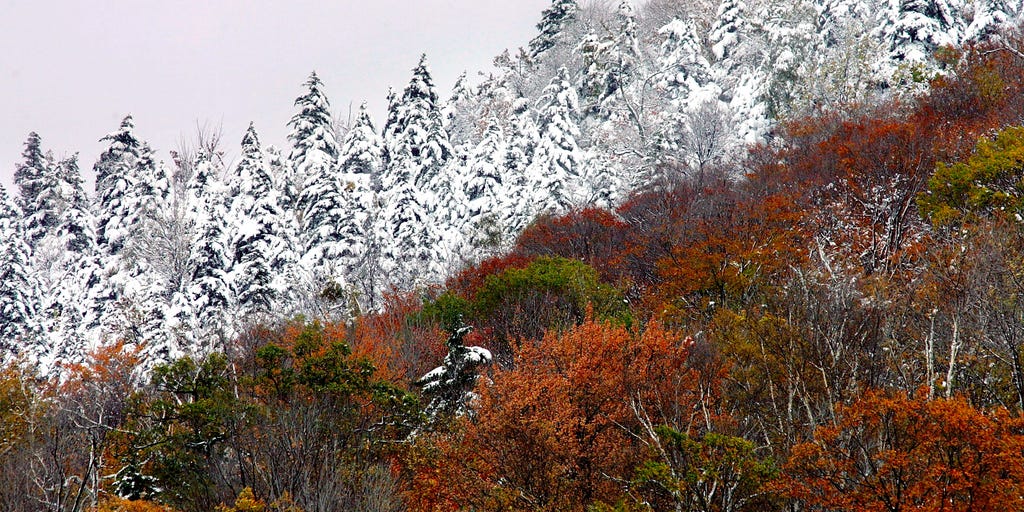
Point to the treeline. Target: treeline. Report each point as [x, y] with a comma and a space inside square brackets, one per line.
[187, 254]
[839, 328]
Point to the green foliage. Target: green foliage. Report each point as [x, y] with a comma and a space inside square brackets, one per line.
[522, 303]
[551, 282]
[694, 472]
[185, 426]
[990, 182]
[448, 310]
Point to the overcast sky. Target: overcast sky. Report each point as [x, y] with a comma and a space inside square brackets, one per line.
[70, 69]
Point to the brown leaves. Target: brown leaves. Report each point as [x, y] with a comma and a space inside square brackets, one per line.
[893, 452]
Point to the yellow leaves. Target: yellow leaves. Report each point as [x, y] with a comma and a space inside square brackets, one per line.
[247, 502]
[116, 504]
[17, 408]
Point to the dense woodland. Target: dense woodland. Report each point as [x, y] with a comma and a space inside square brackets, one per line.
[688, 256]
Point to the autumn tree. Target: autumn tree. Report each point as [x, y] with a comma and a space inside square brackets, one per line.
[890, 451]
[570, 422]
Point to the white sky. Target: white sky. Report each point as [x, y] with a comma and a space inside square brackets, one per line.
[71, 69]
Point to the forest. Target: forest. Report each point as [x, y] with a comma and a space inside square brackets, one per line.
[678, 267]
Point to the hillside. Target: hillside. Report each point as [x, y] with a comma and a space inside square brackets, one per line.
[679, 257]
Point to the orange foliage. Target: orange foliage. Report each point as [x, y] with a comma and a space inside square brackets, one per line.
[891, 452]
[568, 424]
[731, 253]
[401, 350]
[116, 504]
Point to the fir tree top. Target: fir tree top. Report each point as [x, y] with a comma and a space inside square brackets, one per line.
[311, 125]
[553, 21]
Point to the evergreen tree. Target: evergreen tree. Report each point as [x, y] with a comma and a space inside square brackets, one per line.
[415, 135]
[450, 386]
[361, 163]
[314, 147]
[486, 193]
[916, 28]
[681, 55]
[115, 180]
[411, 251]
[255, 217]
[610, 62]
[73, 245]
[61, 257]
[418, 149]
[18, 291]
[727, 29]
[208, 290]
[553, 22]
[458, 113]
[327, 218]
[36, 178]
[74, 229]
[29, 174]
[521, 144]
[555, 174]
[990, 16]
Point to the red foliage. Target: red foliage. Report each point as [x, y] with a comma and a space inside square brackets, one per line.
[469, 281]
[592, 235]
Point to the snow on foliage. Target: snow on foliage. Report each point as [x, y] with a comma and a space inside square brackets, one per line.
[450, 385]
[607, 97]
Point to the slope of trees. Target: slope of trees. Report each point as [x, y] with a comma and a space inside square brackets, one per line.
[828, 319]
[606, 100]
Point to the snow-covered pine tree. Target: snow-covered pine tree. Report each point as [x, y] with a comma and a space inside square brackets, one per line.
[123, 297]
[36, 180]
[914, 29]
[28, 175]
[75, 231]
[61, 237]
[415, 136]
[793, 43]
[450, 386]
[71, 247]
[417, 149]
[727, 28]
[208, 290]
[361, 162]
[553, 21]
[144, 267]
[596, 83]
[314, 147]
[19, 333]
[149, 200]
[682, 60]
[362, 158]
[254, 221]
[326, 220]
[410, 253]
[458, 114]
[610, 61]
[990, 16]
[555, 172]
[115, 173]
[521, 144]
[488, 207]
